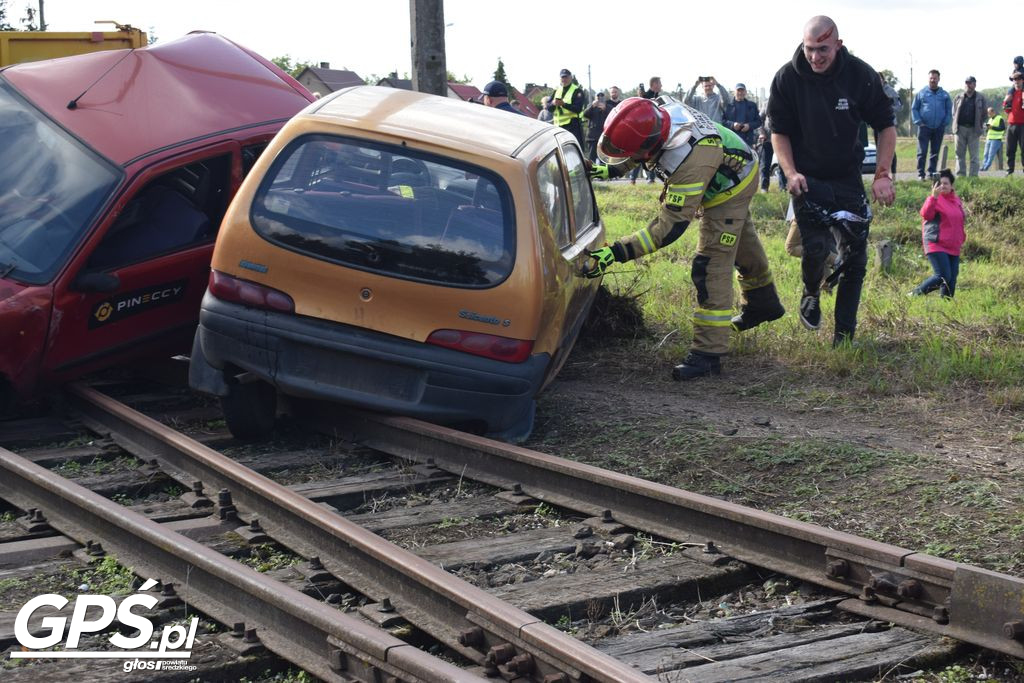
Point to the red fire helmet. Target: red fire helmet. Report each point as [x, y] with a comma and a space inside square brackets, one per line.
[636, 128]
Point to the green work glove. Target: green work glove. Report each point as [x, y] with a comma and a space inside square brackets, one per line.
[599, 171]
[603, 258]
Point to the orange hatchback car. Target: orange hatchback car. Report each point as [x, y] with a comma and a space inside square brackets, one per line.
[405, 253]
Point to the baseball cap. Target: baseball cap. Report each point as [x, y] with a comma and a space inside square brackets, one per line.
[1015, 75]
[565, 72]
[971, 79]
[495, 89]
[740, 86]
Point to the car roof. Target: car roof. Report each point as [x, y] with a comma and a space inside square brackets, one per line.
[444, 121]
[135, 102]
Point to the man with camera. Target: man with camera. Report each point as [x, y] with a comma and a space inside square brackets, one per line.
[710, 103]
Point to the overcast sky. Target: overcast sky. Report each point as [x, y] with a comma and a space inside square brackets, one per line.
[620, 43]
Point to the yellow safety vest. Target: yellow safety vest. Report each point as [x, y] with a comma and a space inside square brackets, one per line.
[562, 116]
[996, 134]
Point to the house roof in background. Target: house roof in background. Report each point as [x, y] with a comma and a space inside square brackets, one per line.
[335, 79]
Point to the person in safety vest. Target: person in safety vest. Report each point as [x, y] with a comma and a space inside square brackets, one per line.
[705, 166]
[996, 127]
[566, 105]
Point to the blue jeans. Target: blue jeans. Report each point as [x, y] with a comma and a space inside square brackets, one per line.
[928, 137]
[945, 269]
[993, 150]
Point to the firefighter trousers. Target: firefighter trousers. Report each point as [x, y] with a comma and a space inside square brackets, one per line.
[727, 239]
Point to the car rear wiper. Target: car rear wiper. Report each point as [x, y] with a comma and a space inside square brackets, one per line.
[371, 246]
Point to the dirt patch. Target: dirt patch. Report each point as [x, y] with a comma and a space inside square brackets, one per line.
[763, 435]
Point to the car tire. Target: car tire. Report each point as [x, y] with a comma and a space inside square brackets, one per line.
[249, 410]
[520, 430]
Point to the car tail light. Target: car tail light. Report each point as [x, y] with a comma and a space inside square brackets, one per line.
[248, 293]
[486, 345]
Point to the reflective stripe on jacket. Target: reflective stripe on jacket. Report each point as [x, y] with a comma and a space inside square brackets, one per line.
[562, 116]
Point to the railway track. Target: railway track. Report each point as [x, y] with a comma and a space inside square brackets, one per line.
[589, 548]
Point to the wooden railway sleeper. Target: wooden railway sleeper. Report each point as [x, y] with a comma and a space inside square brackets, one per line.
[911, 589]
[422, 593]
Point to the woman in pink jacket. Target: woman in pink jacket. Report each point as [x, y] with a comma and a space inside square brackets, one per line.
[942, 232]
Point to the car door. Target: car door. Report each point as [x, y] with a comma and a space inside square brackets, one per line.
[136, 287]
[572, 213]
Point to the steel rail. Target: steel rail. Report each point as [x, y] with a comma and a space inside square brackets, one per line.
[489, 631]
[891, 583]
[322, 640]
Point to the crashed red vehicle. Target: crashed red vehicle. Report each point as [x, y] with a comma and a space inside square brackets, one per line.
[115, 170]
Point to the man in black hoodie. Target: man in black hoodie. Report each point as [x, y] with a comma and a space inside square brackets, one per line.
[816, 106]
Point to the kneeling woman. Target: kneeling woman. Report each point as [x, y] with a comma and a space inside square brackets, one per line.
[942, 233]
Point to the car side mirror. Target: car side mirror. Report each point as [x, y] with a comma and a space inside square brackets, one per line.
[96, 282]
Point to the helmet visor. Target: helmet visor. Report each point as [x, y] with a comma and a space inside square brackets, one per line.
[609, 153]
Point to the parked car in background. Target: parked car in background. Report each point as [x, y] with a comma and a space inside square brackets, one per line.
[401, 252]
[866, 167]
[870, 160]
[117, 167]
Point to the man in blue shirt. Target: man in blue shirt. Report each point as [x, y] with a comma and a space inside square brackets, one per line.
[932, 112]
[741, 115]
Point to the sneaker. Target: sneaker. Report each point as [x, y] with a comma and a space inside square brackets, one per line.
[1010, 172]
[920, 176]
[697, 365]
[810, 311]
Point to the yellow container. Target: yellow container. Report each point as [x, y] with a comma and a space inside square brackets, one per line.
[33, 46]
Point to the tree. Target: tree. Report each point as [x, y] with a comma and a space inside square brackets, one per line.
[28, 21]
[499, 73]
[291, 67]
[888, 77]
[4, 26]
[453, 79]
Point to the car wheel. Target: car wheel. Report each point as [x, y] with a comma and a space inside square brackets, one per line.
[520, 430]
[249, 410]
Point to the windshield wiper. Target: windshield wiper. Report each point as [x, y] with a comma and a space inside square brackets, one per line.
[6, 268]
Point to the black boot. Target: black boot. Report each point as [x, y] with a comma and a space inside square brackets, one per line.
[697, 364]
[762, 306]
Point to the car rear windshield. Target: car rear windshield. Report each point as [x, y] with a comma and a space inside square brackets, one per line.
[389, 210]
[51, 186]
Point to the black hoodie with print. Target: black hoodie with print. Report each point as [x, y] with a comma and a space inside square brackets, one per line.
[821, 113]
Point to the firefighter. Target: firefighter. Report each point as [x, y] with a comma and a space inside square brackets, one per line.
[707, 167]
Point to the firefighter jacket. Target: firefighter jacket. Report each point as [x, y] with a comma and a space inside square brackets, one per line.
[689, 187]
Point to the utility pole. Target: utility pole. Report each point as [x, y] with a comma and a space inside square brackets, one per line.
[429, 71]
[912, 93]
[42, 18]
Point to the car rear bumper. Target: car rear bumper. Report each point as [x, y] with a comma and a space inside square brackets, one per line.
[309, 358]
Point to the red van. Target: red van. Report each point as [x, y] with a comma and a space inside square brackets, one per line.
[115, 170]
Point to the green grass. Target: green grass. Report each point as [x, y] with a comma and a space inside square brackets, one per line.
[920, 345]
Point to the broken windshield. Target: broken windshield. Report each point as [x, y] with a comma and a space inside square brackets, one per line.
[51, 186]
